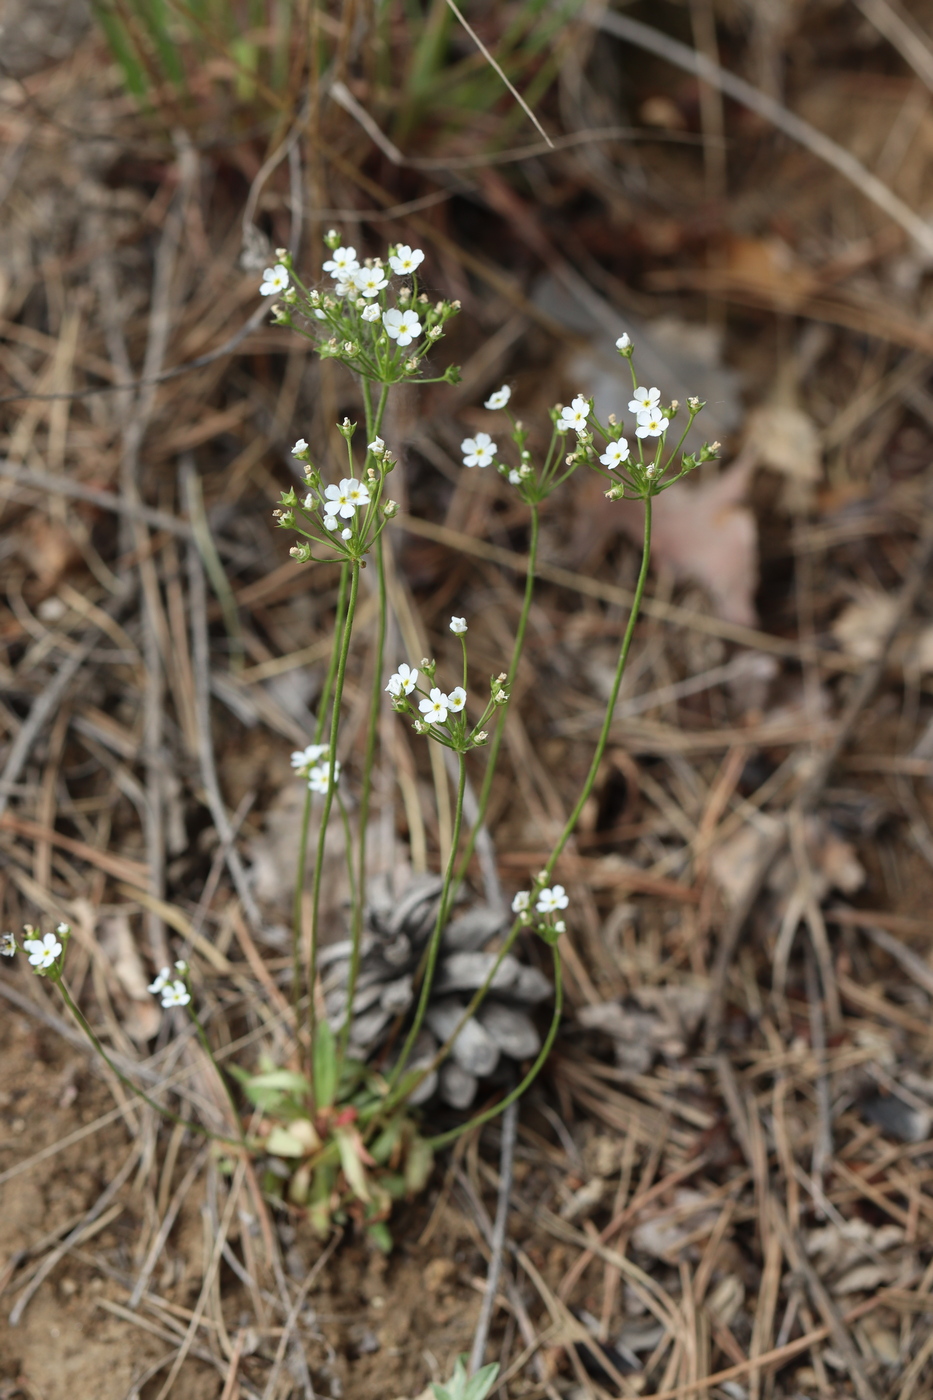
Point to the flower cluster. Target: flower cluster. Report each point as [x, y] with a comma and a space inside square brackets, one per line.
[352, 320]
[442, 714]
[313, 763]
[44, 950]
[538, 907]
[173, 990]
[350, 511]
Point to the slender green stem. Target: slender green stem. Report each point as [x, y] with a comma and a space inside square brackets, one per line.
[443, 909]
[493, 753]
[323, 704]
[329, 795]
[128, 1083]
[613, 697]
[443, 1139]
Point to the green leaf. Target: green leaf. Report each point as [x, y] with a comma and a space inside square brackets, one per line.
[324, 1065]
[348, 1142]
[280, 1143]
[482, 1383]
[381, 1236]
[419, 1163]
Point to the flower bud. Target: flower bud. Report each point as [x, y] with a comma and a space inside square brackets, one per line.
[332, 239]
[346, 429]
[391, 509]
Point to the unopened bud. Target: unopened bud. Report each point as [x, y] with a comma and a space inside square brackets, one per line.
[391, 510]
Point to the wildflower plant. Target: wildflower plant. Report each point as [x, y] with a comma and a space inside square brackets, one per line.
[338, 1137]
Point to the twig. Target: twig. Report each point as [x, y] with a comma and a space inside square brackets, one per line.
[644, 36]
[106, 500]
[497, 1244]
[165, 1228]
[812, 789]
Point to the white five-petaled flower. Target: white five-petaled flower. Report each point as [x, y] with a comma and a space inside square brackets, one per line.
[574, 417]
[370, 281]
[300, 446]
[615, 454]
[651, 423]
[551, 899]
[175, 994]
[42, 951]
[402, 326]
[304, 758]
[161, 980]
[376, 447]
[403, 681]
[478, 451]
[624, 341]
[644, 400]
[346, 285]
[343, 499]
[456, 699]
[435, 709]
[274, 280]
[521, 902]
[500, 398]
[7, 944]
[372, 312]
[344, 261]
[319, 776]
[406, 260]
[458, 625]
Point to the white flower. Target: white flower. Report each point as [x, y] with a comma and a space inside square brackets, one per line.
[560, 926]
[456, 699]
[346, 533]
[62, 929]
[372, 312]
[300, 446]
[624, 341]
[347, 283]
[403, 681]
[370, 281]
[405, 260]
[644, 400]
[402, 326]
[615, 454]
[551, 899]
[651, 423]
[344, 499]
[574, 417]
[329, 521]
[42, 951]
[500, 398]
[319, 777]
[7, 944]
[514, 477]
[181, 966]
[344, 261]
[304, 758]
[376, 447]
[435, 709]
[521, 902]
[458, 625]
[161, 981]
[275, 280]
[175, 994]
[478, 451]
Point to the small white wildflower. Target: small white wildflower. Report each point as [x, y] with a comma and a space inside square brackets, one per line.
[651, 423]
[329, 521]
[405, 260]
[377, 447]
[521, 902]
[275, 280]
[357, 491]
[346, 533]
[304, 758]
[42, 951]
[370, 281]
[644, 400]
[615, 454]
[343, 261]
[175, 994]
[300, 447]
[372, 312]
[344, 499]
[514, 477]
[456, 699]
[458, 625]
[478, 451]
[624, 341]
[319, 777]
[402, 326]
[403, 681]
[435, 709]
[7, 944]
[181, 966]
[551, 899]
[574, 417]
[346, 287]
[161, 980]
[500, 398]
[560, 926]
